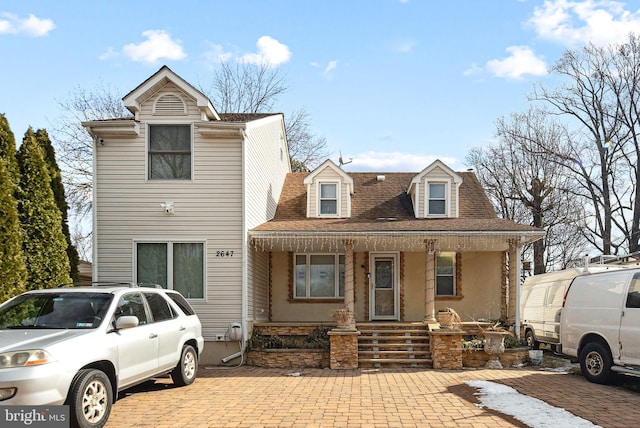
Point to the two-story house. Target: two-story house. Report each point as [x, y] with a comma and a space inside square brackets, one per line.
[205, 203]
[176, 188]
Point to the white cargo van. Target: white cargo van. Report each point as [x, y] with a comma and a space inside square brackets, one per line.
[600, 323]
[541, 300]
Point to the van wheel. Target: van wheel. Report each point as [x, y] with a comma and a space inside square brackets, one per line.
[532, 343]
[595, 362]
[90, 398]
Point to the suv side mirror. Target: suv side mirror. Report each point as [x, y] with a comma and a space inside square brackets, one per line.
[126, 321]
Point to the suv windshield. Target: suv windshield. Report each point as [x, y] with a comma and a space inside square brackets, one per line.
[55, 310]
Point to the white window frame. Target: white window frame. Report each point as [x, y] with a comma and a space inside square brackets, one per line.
[453, 274]
[307, 296]
[447, 198]
[319, 198]
[148, 147]
[169, 246]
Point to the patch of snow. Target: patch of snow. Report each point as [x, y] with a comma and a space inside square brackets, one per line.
[528, 410]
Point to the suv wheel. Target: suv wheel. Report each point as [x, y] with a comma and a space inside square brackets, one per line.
[91, 398]
[595, 362]
[186, 370]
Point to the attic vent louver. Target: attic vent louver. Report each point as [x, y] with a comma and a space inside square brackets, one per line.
[169, 104]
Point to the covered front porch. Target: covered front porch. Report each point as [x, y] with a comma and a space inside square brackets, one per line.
[389, 276]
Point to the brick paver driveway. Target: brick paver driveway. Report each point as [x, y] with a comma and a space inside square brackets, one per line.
[254, 397]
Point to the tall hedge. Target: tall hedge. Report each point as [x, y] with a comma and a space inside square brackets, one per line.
[42, 137]
[44, 243]
[13, 271]
[8, 149]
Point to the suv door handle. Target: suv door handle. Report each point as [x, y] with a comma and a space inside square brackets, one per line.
[152, 336]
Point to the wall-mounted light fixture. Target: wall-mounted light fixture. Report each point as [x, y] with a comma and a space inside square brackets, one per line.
[101, 141]
[168, 207]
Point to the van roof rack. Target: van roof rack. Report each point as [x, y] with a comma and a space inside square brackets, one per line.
[109, 284]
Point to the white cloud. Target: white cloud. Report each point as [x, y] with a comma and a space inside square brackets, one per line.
[575, 23]
[521, 61]
[216, 54]
[159, 45]
[270, 51]
[392, 161]
[404, 46]
[31, 26]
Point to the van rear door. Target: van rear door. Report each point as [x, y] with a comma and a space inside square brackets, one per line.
[630, 324]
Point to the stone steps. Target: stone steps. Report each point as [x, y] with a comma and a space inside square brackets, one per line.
[393, 345]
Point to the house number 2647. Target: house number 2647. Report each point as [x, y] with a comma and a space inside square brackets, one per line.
[224, 253]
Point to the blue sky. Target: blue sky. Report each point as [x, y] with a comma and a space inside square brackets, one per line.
[393, 84]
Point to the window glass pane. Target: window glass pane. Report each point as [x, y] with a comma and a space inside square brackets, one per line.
[322, 275]
[131, 304]
[328, 191]
[152, 263]
[436, 207]
[188, 269]
[633, 298]
[160, 309]
[328, 207]
[445, 271]
[301, 278]
[175, 166]
[170, 152]
[341, 279]
[436, 191]
[444, 286]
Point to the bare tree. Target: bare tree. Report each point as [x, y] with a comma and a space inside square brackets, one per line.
[242, 87]
[527, 186]
[599, 97]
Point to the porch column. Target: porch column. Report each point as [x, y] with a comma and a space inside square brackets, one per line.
[430, 281]
[349, 294]
[513, 282]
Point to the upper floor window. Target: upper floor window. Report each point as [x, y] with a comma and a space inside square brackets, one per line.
[169, 152]
[446, 274]
[328, 199]
[437, 199]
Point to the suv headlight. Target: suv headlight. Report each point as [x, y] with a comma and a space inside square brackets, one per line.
[32, 357]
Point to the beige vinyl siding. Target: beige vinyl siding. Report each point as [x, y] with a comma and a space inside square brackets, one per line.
[330, 176]
[438, 175]
[259, 293]
[208, 209]
[266, 166]
[265, 169]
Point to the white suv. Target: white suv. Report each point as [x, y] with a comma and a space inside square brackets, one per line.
[81, 345]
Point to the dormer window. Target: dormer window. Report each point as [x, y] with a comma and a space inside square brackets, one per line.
[435, 192]
[329, 191]
[329, 199]
[437, 199]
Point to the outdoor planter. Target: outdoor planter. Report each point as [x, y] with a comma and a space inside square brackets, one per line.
[494, 346]
[448, 319]
[344, 318]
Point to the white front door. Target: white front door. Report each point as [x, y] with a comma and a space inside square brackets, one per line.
[383, 283]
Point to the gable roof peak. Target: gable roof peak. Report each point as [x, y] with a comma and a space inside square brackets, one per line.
[159, 79]
[331, 165]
